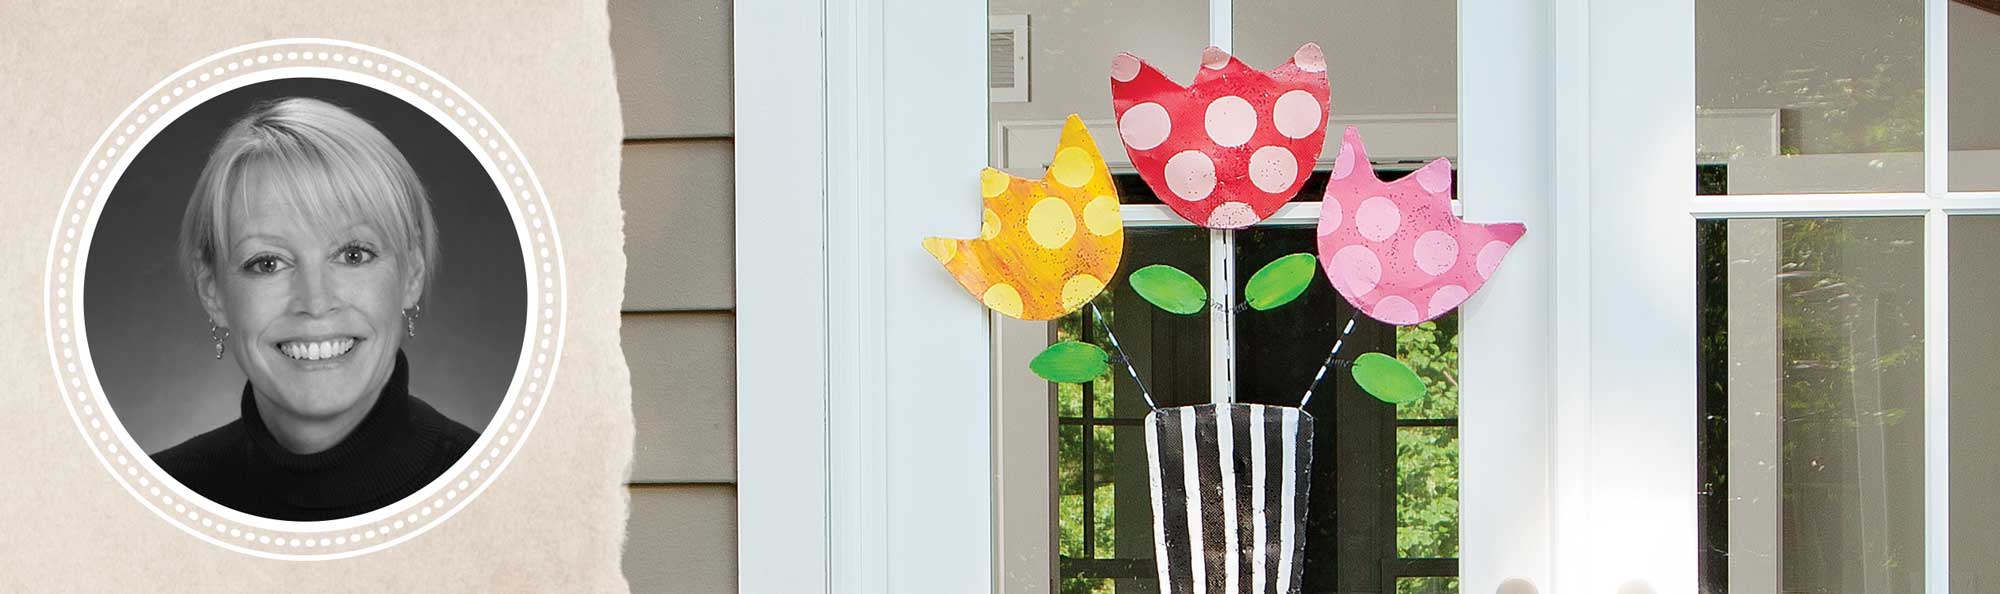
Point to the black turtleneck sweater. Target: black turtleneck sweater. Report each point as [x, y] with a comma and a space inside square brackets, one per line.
[401, 445]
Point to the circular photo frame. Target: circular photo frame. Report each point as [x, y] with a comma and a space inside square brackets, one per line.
[534, 297]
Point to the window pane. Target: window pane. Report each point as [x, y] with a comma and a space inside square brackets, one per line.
[1811, 443]
[1975, 410]
[1394, 59]
[1842, 83]
[1431, 349]
[1070, 44]
[1427, 491]
[1382, 488]
[1975, 79]
[1280, 350]
[1427, 585]
[1069, 492]
[1088, 586]
[1169, 351]
[1104, 510]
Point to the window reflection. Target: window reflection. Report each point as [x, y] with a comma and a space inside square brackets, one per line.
[1838, 85]
[1812, 403]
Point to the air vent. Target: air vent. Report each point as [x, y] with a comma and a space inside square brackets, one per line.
[1007, 58]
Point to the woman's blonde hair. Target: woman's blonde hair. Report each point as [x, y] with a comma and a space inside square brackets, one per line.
[333, 168]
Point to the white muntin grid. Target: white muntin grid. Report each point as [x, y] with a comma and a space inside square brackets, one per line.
[1937, 204]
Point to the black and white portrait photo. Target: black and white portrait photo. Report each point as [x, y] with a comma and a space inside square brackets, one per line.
[305, 299]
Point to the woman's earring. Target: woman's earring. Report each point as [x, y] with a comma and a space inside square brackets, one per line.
[218, 334]
[410, 318]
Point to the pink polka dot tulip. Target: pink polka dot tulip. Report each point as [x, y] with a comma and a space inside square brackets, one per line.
[1228, 150]
[1394, 250]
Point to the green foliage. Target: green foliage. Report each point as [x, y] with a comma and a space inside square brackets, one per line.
[1169, 289]
[1070, 361]
[1427, 585]
[1431, 350]
[1089, 586]
[1427, 457]
[1281, 281]
[1069, 478]
[1427, 491]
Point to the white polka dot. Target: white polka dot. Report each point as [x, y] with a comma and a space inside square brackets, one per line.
[1445, 298]
[1377, 218]
[1309, 58]
[1214, 58]
[1436, 252]
[1145, 126]
[1232, 215]
[1396, 310]
[1230, 121]
[1329, 217]
[1297, 114]
[1273, 169]
[1490, 256]
[1355, 271]
[1435, 178]
[1191, 175]
[1343, 164]
[1124, 67]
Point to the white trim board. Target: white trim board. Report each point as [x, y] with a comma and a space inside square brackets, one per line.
[781, 319]
[863, 441]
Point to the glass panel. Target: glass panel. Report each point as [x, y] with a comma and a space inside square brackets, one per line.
[1842, 83]
[1070, 44]
[1427, 492]
[1811, 371]
[1280, 350]
[1169, 351]
[1383, 58]
[1427, 585]
[1069, 489]
[1431, 349]
[1063, 50]
[1088, 586]
[1382, 488]
[1105, 540]
[1975, 80]
[1975, 411]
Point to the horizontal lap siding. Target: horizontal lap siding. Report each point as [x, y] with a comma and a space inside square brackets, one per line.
[680, 212]
[673, 67]
[683, 396]
[679, 322]
[682, 538]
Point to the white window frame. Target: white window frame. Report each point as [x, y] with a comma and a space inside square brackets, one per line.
[1639, 476]
[854, 474]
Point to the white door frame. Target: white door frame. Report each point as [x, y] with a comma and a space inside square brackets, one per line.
[1624, 438]
[863, 450]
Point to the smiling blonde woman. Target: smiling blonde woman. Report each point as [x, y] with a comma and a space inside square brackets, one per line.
[310, 242]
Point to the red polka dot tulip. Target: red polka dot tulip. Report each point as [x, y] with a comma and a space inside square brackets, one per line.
[1394, 250]
[1228, 150]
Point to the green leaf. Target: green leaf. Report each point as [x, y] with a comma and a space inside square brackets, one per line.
[1170, 289]
[1387, 379]
[1281, 281]
[1071, 362]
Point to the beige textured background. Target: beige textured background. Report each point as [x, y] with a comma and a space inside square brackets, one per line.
[552, 522]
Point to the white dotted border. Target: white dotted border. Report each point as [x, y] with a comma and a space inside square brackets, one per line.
[509, 426]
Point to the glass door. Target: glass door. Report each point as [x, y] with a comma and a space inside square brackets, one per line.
[1073, 501]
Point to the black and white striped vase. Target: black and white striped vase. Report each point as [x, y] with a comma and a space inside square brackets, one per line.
[1229, 497]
